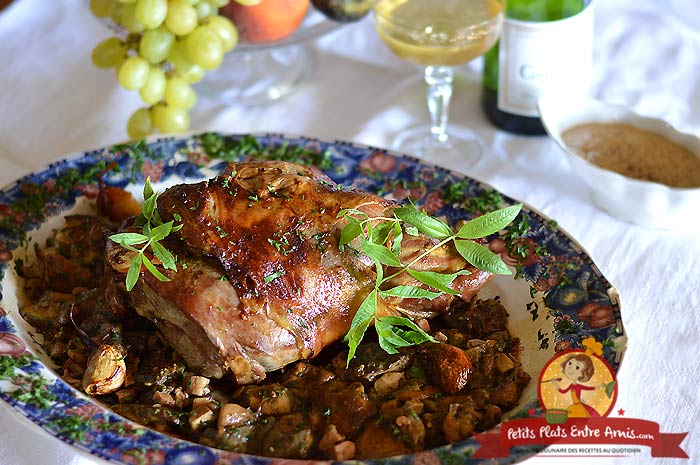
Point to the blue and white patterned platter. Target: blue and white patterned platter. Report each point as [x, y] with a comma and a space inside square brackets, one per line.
[554, 280]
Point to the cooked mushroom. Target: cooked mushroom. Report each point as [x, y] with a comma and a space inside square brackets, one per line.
[197, 385]
[504, 363]
[234, 415]
[387, 383]
[200, 416]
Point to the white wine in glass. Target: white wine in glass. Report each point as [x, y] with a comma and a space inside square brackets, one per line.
[439, 34]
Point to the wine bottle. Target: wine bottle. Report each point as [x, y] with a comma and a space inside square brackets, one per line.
[546, 46]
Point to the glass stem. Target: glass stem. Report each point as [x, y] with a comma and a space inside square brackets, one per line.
[439, 80]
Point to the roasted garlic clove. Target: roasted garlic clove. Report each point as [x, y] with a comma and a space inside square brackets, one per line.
[106, 370]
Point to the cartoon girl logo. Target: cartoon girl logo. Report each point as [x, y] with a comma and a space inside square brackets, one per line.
[577, 383]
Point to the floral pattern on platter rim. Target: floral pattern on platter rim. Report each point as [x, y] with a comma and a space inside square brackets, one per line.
[556, 298]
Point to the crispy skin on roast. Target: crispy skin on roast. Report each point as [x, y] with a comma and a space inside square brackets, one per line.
[261, 280]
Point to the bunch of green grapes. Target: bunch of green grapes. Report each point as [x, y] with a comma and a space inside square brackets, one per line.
[169, 46]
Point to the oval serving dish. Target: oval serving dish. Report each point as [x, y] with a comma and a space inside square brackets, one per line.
[645, 203]
[552, 283]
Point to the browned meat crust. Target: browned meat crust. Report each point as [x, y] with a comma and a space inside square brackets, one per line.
[263, 282]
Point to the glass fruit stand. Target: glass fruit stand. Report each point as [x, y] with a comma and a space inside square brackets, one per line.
[256, 73]
[237, 51]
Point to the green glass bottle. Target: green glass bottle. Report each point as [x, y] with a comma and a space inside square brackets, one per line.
[545, 47]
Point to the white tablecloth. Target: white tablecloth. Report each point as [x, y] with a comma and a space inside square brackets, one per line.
[647, 56]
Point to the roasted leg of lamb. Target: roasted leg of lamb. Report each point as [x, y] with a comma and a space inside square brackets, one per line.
[261, 281]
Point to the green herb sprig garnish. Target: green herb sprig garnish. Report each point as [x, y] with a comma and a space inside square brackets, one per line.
[153, 230]
[374, 233]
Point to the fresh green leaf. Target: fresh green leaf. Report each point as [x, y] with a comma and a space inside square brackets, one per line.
[140, 221]
[481, 257]
[164, 255]
[148, 189]
[161, 231]
[409, 292]
[153, 230]
[392, 335]
[131, 248]
[149, 206]
[129, 238]
[360, 322]
[375, 232]
[153, 270]
[134, 271]
[415, 335]
[156, 219]
[423, 222]
[439, 281]
[489, 223]
[379, 253]
[380, 233]
[380, 271]
[389, 341]
[349, 232]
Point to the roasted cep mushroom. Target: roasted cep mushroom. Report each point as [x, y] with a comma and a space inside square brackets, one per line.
[448, 365]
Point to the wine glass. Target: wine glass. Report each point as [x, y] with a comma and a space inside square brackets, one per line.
[439, 34]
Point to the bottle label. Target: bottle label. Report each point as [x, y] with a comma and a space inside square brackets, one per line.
[544, 57]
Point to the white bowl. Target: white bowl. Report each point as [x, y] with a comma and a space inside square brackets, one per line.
[644, 203]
